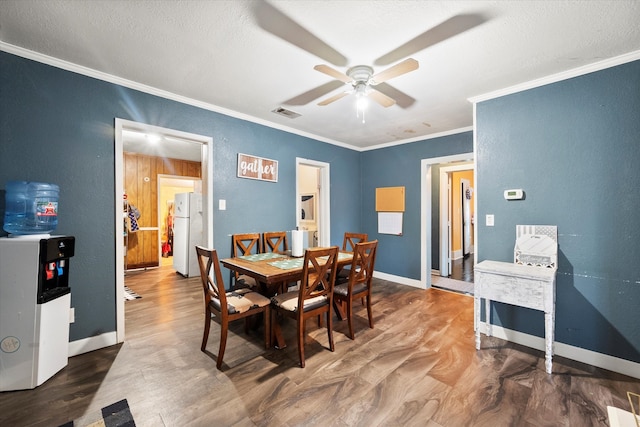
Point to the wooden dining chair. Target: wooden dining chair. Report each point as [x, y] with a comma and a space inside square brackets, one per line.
[315, 296]
[359, 284]
[225, 307]
[348, 245]
[245, 244]
[275, 241]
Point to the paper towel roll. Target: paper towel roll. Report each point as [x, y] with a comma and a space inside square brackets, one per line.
[297, 244]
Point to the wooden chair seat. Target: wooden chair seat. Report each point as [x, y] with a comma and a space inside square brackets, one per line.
[241, 300]
[343, 289]
[289, 301]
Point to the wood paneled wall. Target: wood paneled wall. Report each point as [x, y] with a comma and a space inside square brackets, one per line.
[141, 185]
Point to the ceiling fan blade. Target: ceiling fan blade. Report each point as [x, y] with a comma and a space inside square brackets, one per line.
[333, 73]
[280, 25]
[334, 98]
[381, 98]
[402, 99]
[399, 69]
[449, 28]
[308, 96]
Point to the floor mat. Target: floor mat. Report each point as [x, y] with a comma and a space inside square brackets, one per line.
[114, 415]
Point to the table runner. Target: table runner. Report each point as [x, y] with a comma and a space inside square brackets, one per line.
[291, 263]
[261, 257]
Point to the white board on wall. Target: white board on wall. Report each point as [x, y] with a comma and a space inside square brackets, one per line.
[390, 223]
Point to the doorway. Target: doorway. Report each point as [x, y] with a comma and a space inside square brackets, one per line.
[456, 217]
[427, 167]
[164, 143]
[313, 197]
[168, 187]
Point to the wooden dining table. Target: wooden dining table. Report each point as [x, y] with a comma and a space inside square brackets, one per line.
[271, 270]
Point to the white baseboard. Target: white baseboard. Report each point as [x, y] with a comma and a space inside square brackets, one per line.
[92, 343]
[589, 357]
[398, 279]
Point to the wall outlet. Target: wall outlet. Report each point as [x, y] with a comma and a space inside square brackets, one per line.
[222, 204]
[72, 315]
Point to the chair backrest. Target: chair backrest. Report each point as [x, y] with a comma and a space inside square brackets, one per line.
[246, 244]
[275, 241]
[362, 265]
[318, 274]
[351, 239]
[211, 276]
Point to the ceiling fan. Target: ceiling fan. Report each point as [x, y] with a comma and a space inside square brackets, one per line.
[362, 80]
[360, 77]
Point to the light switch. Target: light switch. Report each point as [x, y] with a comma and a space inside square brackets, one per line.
[489, 220]
[222, 204]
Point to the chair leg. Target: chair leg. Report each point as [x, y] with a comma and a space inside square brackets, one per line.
[267, 327]
[369, 311]
[224, 328]
[207, 326]
[330, 329]
[301, 342]
[273, 325]
[350, 317]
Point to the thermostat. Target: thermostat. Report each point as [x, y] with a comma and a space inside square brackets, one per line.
[515, 194]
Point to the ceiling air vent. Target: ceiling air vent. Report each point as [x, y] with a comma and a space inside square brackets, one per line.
[284, 112]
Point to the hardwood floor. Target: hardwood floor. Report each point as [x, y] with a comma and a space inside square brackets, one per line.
[462, 269]
[417, 367]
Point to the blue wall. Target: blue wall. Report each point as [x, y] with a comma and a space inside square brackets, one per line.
[574, 147]
[57, 126]
[400, 166]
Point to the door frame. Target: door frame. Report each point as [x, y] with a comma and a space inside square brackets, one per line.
[324, 199]
[426, 166]
[207, 205]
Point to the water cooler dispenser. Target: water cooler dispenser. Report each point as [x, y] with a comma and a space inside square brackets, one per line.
[35, 301]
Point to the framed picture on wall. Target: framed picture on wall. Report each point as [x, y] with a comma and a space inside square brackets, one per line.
[260, 168]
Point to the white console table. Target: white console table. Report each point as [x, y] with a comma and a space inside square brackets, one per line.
[520, 285]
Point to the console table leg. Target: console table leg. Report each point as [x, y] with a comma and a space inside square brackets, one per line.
[487, 316]
[476, 312]
[548, 336]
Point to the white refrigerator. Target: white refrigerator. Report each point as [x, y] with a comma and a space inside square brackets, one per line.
[187, 233]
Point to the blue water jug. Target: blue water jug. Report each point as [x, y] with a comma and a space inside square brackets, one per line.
[31, 207]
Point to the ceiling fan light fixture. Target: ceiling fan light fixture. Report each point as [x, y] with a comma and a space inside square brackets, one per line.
[362, 101]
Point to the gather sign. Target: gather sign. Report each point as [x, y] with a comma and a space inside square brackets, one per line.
[253, 167]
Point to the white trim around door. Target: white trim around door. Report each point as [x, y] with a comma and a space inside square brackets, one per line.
[207, 191]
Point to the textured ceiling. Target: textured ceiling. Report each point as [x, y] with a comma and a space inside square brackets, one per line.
[247, 58]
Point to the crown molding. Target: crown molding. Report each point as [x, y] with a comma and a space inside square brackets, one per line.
[565, 75]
